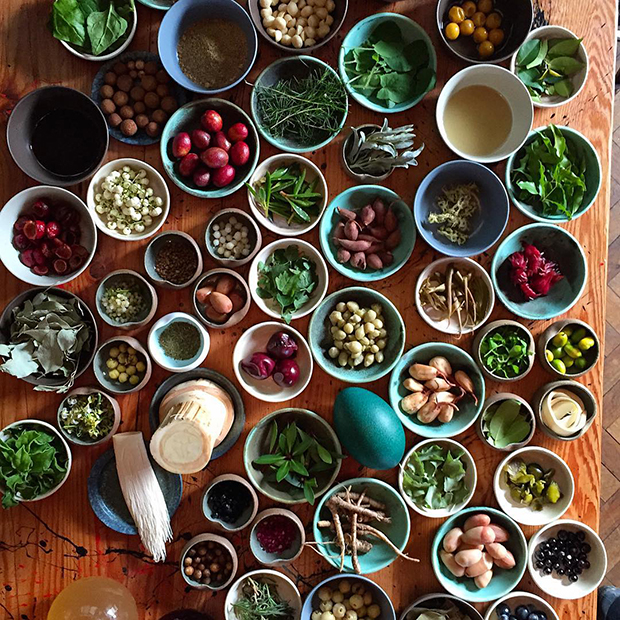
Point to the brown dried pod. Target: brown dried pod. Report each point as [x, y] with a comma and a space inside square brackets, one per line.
[387, 258]
[379, 232]
[375, 248]
[355, 246]
[393, 240]
[351, 230]
[390, 221]
[358, 260]
[367, 215]
[379, 206]
[343, 255]
[339, 231]
[374, 262]
[347, 214]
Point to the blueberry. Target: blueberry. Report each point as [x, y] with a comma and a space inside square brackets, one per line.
[581, 536]
[586, 548]
[511, 617]
[542, 615]
[540, 564]
[533, 616]
[561, 571]
[505, 616]
[522, 612]
[502, 608]
[584, 564]
[562, 534]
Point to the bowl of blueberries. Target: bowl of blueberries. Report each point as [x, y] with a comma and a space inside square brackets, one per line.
[521, 606]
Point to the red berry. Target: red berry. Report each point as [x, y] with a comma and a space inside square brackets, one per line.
[41, 209]
[211, 121]
[39, 259]
[41, 228]
[223, 176]
[20, 241]
[238, 132]
[60, 266]
[30, 230]
[220, 140]
[27, 258]
[239, 153]
[63, 251]
[21, 222]
[201, 139]
[79, 250]
[40, 270]
[56, 243]
[181, 145]
[52, 230]
[46, 249]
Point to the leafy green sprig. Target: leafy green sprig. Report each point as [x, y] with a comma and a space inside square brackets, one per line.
[505, 352]
[259, 600]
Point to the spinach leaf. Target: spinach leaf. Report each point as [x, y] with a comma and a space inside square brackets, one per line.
[67, 22]
[104, 29]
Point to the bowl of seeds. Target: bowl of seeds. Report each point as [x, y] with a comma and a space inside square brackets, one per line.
[232, 238]
[122, 365]
[173, 259]
[208, 562]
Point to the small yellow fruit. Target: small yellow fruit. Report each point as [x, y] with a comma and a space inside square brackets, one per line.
[496, 36]
[113, 374]
[134, 379]
[131, 351]
[467, 28]
[123, 377]
[494, 20]
[111, 363]
[456, 14]
[452, 31]
[480, 34]
[114, 352]
[486, 6]
[469, 8]
[486, 49]
[140, 366]
[479, 19]
[123, 347]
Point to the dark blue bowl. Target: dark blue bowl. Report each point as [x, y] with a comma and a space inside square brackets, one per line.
[487, 225]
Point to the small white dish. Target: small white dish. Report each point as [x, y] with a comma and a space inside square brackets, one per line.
[278, 225]
[156, 181]
[269, 306]
[514, 599]
[471, 478]
[235, 317]
[254, 340]
[524, 514]
[559, 587]
[254, 235]
[168, 363]
[101, 371]
[431, 316]
[277, 558]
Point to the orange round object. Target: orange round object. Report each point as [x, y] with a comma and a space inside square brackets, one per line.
[486, 49]
[494, 20]
[496, 36]
[452, 31]
[486, 6]
[480, 34]
[478, 18]
[456, 14]
[467, 28]
[469, 8]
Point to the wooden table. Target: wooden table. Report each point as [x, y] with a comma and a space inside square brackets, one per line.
[46, 545]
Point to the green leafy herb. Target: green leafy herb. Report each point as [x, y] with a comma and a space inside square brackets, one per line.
[434, 477]
[531, 485]
[32, 462]
[259, 600]
[504, 424]
[505, 352]
[448, 611]
[457, 205]
[288, 278]
[87, 416]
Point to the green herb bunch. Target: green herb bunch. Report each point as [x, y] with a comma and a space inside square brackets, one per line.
[504, 424]
[296, 458]
[505, 352]
[87, 416]
[259, 600]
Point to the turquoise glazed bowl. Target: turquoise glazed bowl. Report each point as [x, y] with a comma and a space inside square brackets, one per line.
[557, 245]
[354, 199]
[397, 530]
[187, 118]
[504, 581]
[319, 336]
[583, 147]
[298, 67]
[359, 34]
[468, 411]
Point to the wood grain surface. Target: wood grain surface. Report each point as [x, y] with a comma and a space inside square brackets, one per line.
[46, 545]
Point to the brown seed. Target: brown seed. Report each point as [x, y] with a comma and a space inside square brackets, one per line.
[106, 91]
[107, 106]
[189, 571]
[159, 116]
[162, 90]
[150, 67]
[162, 77]
[124, 83]
[126, 111]
[133, 74]
[139, 64]
[114, 120]
[201, 566]
[148, 82]
[151, 100]
[110, 78]
[187, 561]
[142, 120]
[153, 129]
[129, 127]
[137, 93]
[191, 553]
[169, 104]
[210, 544]
[120, 98]
[139, 107]
[215, 567]
[120, 68]
[131, 64]
[197, 575]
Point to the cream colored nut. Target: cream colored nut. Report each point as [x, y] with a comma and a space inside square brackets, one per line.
[329, 20]
[309, 42]
[333, 353]
[363, 340]
[301, 4]
[343, 358]
[282, 6]
[356, 318]
[292, 32]
[348, 328]
[286, 39]
[374, 334]
[379, 357]
[381, 344]
[302, 21]
[265, 13]
[313, 21]
[278, 36]
[321, 12]
[374, 348]
[307, 11]
[339, 344]
[271, 32]
[378, 323]
[268, 21]
[293, 9]
[340, 323]
[352, 306]
[320, 3]
[359, 332]
[341, 307]
[302, 34]
[367, 600]
[335, 316]
[383, 333]
[369, 359]
[288, 19]
[338, 334]
[310, 32]
[368, 327]
[265, 4]
[299, 30]
[322, 31]
[279, 24]
[330, 5]
[354, 347]
[358, 360]
[310, 2]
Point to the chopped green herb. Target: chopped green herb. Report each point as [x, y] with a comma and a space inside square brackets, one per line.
[259, 600]
[504, 424]
[457, 205]
[505, 352]
[87, 416]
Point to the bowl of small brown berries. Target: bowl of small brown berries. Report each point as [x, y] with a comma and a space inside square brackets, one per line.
[209, 562]
[137, 97]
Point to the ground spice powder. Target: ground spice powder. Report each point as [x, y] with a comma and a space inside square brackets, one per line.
[180, 340]
[176, 261]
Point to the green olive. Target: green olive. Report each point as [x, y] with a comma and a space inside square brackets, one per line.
[559, 340]
[572, 351]
[578, 334]
[559, 365]
[581, 363]
[557, 352]
[586, 343]
[549, 355]
[568, 361]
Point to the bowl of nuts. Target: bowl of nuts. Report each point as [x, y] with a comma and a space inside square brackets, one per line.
[122, 365]
[221, 298]
[208, 562]
[232, 238]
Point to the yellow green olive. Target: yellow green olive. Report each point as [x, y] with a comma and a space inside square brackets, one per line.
[586, 343]
[572, 351]
[559, 365]
[559, 340]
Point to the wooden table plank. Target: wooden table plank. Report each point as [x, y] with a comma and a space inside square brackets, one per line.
[46, 545]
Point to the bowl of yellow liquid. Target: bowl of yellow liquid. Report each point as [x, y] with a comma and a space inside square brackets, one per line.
[484, 113]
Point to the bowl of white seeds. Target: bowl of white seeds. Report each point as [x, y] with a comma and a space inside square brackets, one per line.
[232, 238]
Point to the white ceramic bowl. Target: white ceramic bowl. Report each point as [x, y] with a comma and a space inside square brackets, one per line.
[513, 91]
[254, 234]
[100, 370]
[20, 204]
[286, 589]
[524, 514]
[168, 363]
[559, 587]
[514, 599]
[471, 478]
[254, 340]
[279, 225]
[578, 79]
[156, 181]
[234, 318]
[430, 316]
[269, 306]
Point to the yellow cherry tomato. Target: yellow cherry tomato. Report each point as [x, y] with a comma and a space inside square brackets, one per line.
[456, 14]
[452, 31]
[467, 28]
[486, 6]
[486, 49]
[469, 8]
[480, 34]
[494, 20]
[496, 36]
[478, 19]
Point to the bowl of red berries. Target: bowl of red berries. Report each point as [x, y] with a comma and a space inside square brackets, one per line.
[47, 236]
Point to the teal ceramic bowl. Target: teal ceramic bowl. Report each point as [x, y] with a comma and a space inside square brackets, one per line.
[583, 147]
[319, 335]
[354, 199]
[160, 5]
[504, 581]
[557, 245]
[187, 118]
[283, 69]
[468, 411]
[397, 530]
[360, 33]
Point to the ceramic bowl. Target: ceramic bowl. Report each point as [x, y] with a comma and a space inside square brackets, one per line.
[579, 390]
[380, 556]
[319, 335]
[257, 443]
[379, 595]
[269, 306]
[283, 69]
[557, 245]
[20, 205]
[101, 371]
[593, 175]
[517, 21]
[206, 538]
[254, 340]
[431, 316]
[526, 410]
[248, 514]
[157, 244]
[29, 110]
[504, 581]
[160, 5]
[279, 224]
[354, 199]
[506, 84]
[156, 182]
[578, 79]
[516, 599]
[372, 179]
[236, 317]
[559, 587]
[591, 356]
[44, 427]
[167, 362]
[471, 477]
[140, 284]
[221, 219]
[184, 14]
[524, 514]
[6, 320]
[286, 589]
[86, 391]
[468, 409]
[287, 556]
[358, 35]
[487, 224]
[187, 118]
[488, 330]
[440, 601]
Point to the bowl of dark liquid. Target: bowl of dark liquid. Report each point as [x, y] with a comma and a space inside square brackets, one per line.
[57, 135]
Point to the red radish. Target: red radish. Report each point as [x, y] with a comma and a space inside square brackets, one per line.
[181, 145]
[21, 222]
[224, 176]
[238, 132]
[202, 176]
[239, 153]
[214, 157]
[41, 270]
[63, 251]
[188, 164]
[41, 208]
[20, 241]
[201, 139]
[52, 230]
[27, 258]
[220, 139]
[211, 121]
[60, 266]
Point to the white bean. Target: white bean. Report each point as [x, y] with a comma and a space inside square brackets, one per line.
[286, 39]
[293, 9]
[313, 21]
[329, 20]
[302, 21]
[278, 36]
[321, 12]
[307, 11]
[265, 13]
[310, 32]
[279, 24]
[330, 5]
[268, 21]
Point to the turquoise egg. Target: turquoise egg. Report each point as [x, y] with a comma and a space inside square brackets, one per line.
[369, 428]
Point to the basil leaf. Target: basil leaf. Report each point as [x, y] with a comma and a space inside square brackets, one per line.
[104, 29]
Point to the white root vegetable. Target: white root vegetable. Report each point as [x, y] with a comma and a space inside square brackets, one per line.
[496, 550]
[501, 534]
[484, 580]
[428, 413]
[412, 385]
[413, 402]
[507, 562]
[442, 365]
[452, 540]
[438, 385]
[477, 520]
[468, 557]
[485, 564]
[422, 372]
[450, 564]
[445, 412]
[481, 535]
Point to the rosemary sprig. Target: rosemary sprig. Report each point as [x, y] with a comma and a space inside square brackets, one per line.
[260, 600]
